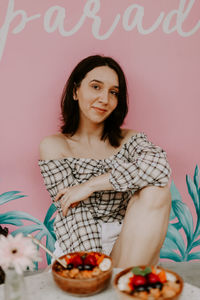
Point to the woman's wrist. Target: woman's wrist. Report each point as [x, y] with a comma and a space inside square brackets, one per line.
[100, 183]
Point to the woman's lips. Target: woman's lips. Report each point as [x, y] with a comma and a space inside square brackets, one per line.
[100, 110]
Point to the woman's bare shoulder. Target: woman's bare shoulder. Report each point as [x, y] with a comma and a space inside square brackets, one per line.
[52, 146]
[127, 133]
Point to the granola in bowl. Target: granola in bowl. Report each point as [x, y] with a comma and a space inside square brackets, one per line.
[148, 283]
[86, 273]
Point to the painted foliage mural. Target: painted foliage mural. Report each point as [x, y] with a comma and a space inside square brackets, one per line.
[181, 220]
[174, 248]
[40, 229]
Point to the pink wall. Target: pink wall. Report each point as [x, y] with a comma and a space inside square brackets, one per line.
[162, 68]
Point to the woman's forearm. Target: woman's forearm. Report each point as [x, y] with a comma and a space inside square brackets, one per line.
[100, 183]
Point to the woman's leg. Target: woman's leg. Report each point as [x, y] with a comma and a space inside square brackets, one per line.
[144, 228]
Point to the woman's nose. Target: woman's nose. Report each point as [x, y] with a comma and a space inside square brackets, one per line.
[104, 97]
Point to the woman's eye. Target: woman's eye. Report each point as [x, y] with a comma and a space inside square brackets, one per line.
[115, 93]
[96, 87]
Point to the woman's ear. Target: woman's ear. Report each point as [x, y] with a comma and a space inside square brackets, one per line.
[75, 97]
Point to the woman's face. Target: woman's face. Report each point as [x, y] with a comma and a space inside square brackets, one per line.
[98, 94]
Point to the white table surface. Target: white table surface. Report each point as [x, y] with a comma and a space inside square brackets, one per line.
[42, 287]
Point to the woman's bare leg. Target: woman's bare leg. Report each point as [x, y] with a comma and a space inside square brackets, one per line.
[144, 228]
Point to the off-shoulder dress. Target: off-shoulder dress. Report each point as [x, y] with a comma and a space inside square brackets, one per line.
[137, 164]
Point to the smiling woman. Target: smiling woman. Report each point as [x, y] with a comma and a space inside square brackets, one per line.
[97, 95]
[104, 180]
[96, 82]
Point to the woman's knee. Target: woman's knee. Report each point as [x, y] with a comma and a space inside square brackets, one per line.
[153, 196]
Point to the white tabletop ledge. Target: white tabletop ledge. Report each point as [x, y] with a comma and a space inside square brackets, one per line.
[42, 287]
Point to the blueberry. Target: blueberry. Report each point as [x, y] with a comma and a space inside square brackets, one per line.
[158, 285]
[140, 288]
[81, 267]
[58, 268]
[150, 286]
[69, 266]
[88, 267]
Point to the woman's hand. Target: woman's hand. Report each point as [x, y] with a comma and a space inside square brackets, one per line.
[71, 195]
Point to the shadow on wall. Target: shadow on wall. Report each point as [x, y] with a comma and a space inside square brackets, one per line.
[174, 248]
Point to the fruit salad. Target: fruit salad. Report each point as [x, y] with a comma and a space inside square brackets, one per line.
[149, 283]
[84, 265]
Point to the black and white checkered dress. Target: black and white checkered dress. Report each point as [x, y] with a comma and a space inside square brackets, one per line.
[137, 164]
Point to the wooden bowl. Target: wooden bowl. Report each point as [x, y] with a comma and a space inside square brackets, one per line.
[123, 295]
[86, 286]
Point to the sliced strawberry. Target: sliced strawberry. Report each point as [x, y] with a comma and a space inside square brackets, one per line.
[76, 261]
[152, 278]
[162, 276]
[137, 280]
[68, 259]
[130, 284]
[90, 260]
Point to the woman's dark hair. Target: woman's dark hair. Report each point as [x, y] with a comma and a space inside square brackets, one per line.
[70, 108]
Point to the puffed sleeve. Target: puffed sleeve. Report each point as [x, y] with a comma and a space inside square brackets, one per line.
[57, 175]
[143, 164]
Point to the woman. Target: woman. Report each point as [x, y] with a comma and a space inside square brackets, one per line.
[110, 185]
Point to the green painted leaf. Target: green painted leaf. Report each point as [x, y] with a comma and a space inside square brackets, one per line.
[52, 209]
[174, 235]
[172, 214]
[19, 215]
[197, 230]
[26, 230]
[9, 196]
[175, 196]
[199, 193]
[193, 255]
[196, 243]
[6, 218]
[51, 229]
[177, 225]
[40, 235]
[164, 253]
[169, 244]
[50, 244]
[48, 222]
[174, 192]
[51, 237]
[196, 177]
[185, 218]
[193, 191]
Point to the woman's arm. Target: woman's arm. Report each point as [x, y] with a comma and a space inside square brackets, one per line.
[71, 195]
[145, 165]
[100, 183]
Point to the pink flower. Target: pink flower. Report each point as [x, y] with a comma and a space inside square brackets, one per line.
[17, 252]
